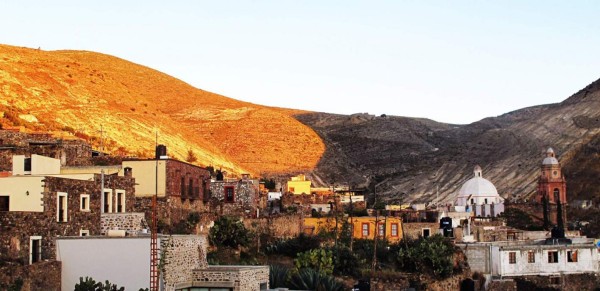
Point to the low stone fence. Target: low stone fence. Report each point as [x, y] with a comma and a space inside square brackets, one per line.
[180, 255]
[240, 278]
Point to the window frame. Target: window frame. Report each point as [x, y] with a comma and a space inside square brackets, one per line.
[64, 196]
[108, 201]
[120, 202]
[226, 196]
[363, 229]
[39, 252]
[553, 257]
[84, 202]
[512, 258]
[394, 229]
[531, 257]
[572, 256]
[84, 232]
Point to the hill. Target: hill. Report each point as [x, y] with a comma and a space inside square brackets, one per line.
[81, 93]
[415, 159]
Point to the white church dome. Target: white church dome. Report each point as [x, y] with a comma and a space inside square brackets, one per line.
[550, 159]
[477, 187]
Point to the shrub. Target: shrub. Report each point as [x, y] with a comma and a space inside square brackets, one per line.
[433, 255]
[320, 260]
[229, 232]
[346, 263]
[292, 247]
[309, 279]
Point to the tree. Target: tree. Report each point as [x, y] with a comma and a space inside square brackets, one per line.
[191, 157]
[90, 284]
[229, 232]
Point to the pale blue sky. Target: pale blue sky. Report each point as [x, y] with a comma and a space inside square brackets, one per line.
[451, 61]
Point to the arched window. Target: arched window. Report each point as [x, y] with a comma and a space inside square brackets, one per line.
[556, 195]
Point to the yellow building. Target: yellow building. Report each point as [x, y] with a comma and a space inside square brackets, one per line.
[299, 185]
[362, 227]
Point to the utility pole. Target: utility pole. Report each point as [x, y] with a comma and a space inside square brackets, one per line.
[154, 272]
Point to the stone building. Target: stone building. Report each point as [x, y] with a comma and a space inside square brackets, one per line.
[40, 204]
[70, 152]
[236, 196]
[181, 188]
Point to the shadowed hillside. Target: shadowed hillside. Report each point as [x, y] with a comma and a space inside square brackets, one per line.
[79, 92]
[416, 157]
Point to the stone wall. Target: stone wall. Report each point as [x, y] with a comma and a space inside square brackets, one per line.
[39, 276]
[131, 222]
[170, 210]
[283, 226]
[178, 170]
[246, 197]
[241, 278]
[70, 152]
[574, 282]
[414, 230]
[16, 228]
[180, 255]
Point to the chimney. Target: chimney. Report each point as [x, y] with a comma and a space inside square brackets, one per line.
[161, 152]
[128, 172]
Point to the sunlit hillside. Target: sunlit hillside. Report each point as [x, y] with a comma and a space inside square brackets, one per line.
[85, 93]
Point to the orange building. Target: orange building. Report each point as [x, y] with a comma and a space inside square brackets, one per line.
[362, 227]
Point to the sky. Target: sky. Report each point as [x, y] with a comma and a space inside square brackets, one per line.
[450, 61]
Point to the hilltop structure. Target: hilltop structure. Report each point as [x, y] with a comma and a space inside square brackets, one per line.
[552, 190]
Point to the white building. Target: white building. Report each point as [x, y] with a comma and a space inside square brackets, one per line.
[480, 196]
[532, 258]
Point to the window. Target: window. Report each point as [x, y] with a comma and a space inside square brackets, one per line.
[472, 201]
[292, 189]
[35, 249]
[108, 201]
[182, 187]
[4, 202]
[84, 232]
[191, 188]
[572, 256]
[394, 229]
[84, 202]
[365, 229]
[61, 207]
[27, 165]
[485, 201]
[120, 201]
[229, 194]
[381, 229]
[426, 232]
[553, 257]
[556, 195]
[531, 257]
[512, 257]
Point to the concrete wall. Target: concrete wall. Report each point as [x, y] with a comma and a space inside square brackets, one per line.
[18, 187]
[122, 261]
[144, 173]
[41, 165]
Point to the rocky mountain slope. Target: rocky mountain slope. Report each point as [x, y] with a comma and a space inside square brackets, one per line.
[419, 159]
[120, 106]
[81, 93]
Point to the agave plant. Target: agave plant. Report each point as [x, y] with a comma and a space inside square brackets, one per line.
[309, 279]
[278, 276]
